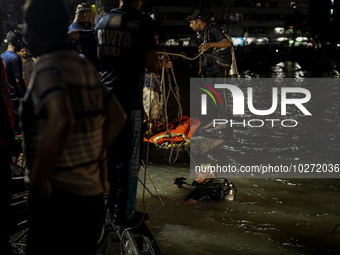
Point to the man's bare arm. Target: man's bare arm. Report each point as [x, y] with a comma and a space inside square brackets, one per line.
[114, 119]
[221, 44]
[153, 63]
[21, 86]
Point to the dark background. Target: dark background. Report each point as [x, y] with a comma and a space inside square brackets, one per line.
[315, 21]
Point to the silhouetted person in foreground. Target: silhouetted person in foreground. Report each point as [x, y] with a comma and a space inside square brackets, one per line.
[69, 118]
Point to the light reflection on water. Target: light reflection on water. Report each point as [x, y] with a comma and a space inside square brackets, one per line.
[270, 216]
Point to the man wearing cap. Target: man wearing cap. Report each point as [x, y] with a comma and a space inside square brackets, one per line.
[209, 36]
[81, 32]
[13, 65]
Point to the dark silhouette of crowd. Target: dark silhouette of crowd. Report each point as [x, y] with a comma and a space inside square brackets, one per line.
[80, 120]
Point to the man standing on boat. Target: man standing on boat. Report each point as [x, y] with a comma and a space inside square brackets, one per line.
[126, 41]
[215, 60]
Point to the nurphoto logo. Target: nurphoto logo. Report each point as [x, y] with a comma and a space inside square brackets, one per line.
[295, 96]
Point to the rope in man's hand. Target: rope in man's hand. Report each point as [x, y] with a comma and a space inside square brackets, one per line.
[180, 55]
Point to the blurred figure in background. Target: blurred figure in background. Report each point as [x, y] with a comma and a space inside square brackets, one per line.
[81, 32]
[13, 66]
[27, 64]
[151, 97]
[7, 148]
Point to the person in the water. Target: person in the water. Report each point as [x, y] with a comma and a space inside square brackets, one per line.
[208, 188]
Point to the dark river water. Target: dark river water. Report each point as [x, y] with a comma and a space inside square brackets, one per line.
[281, 215]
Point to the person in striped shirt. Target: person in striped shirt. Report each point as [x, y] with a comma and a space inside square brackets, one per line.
[69, 118]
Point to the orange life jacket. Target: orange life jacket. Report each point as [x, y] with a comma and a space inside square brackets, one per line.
[181, 132]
